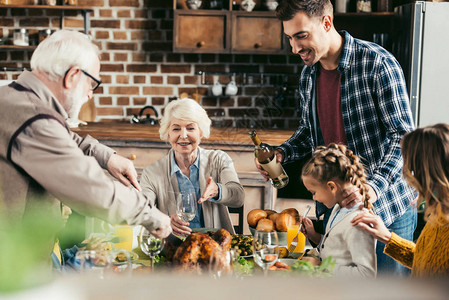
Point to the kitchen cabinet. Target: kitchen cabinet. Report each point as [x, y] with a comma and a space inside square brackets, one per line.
[85, 10]
[226, 31]
[260, 32]
[256, 32]
[201, 31]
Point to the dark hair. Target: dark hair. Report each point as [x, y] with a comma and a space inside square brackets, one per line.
[287, 9]
[426, 165]
[338, 162]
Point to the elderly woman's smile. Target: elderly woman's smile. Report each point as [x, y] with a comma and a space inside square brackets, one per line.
[184, 136]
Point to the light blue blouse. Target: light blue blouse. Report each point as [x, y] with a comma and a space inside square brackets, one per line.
[188, 184]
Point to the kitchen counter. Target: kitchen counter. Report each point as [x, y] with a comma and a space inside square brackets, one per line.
[140, 134]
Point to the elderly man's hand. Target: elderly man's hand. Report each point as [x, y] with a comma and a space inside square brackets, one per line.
[123, 169]
[211, 190]
[164, 229]
[279, 159]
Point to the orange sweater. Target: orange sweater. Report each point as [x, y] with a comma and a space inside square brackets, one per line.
[429, 256]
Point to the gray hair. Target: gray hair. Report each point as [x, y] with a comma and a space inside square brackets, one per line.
[63, 50]
[188, 110]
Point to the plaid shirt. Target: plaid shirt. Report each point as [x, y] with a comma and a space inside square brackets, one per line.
[376, 114]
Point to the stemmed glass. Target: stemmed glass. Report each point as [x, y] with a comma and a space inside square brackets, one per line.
[221, 262]
[150, 245]
[265, 249]
[186, 205]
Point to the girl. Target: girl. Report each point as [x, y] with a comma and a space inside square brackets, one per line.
[426, 168]
[327, 175]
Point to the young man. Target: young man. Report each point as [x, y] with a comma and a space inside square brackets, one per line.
[41, 159]
[352, 92]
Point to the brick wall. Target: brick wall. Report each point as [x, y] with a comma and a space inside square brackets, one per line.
[139, 67]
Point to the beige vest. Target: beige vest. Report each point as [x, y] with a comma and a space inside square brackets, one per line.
[19, 193]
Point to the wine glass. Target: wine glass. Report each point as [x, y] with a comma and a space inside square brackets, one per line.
[186, 205]
[265, 249]
[150, 245]
[221, 262]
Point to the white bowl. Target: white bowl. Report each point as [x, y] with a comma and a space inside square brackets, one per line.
[282, 236]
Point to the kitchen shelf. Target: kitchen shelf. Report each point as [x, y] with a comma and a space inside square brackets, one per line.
[14, 47]
[365, 15]
[85, 11]
[53, 7]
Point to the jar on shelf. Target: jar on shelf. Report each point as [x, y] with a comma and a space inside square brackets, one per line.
[49, 2]
[21, 37]
[364, 6]
[70, 2]
[45, 33]
[384, 5]
[342, 6]
[247, 5]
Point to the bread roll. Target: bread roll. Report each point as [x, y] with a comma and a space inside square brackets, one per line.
[269, 212]
[284, 221]
[273, 217]
[292, 212]
[254, 216]
[265, 225]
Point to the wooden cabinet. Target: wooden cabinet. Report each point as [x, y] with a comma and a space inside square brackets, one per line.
[226, 31]
[201, 31]
[256, 32]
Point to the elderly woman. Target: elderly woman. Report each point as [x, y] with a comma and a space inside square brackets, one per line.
[210, 173]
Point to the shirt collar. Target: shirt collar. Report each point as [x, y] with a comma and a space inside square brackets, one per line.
[345, 59]
[174, 165]
[346, 53]
[28, 80]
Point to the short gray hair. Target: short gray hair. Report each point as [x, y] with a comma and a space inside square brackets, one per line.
[188, 110]
[63, 50]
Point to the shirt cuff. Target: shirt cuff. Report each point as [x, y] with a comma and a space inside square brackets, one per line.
[218, 198]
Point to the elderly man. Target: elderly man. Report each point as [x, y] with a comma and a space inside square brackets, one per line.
[41, 159]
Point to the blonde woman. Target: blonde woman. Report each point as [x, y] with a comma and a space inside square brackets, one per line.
[210, 173]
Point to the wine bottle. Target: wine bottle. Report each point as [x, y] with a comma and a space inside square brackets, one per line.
[267, 159]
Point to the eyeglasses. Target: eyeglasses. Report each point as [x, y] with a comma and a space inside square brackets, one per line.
[95, 83]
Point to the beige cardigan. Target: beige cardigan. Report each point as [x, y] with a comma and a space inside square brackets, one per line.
[157, 183]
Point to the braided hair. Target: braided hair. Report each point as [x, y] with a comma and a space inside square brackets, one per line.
[338, 162]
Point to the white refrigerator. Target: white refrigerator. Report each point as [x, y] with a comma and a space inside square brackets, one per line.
[422, 48]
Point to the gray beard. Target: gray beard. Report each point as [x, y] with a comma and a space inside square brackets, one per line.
[77, 101]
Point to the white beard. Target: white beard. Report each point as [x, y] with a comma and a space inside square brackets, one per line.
[76, 100]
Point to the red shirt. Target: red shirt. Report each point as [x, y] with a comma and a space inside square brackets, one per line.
[329, 107]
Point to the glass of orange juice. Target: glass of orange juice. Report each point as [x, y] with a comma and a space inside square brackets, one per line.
[298, 252]
[124, 234]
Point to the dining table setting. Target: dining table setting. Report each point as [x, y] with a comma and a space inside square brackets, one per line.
[214, 252]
